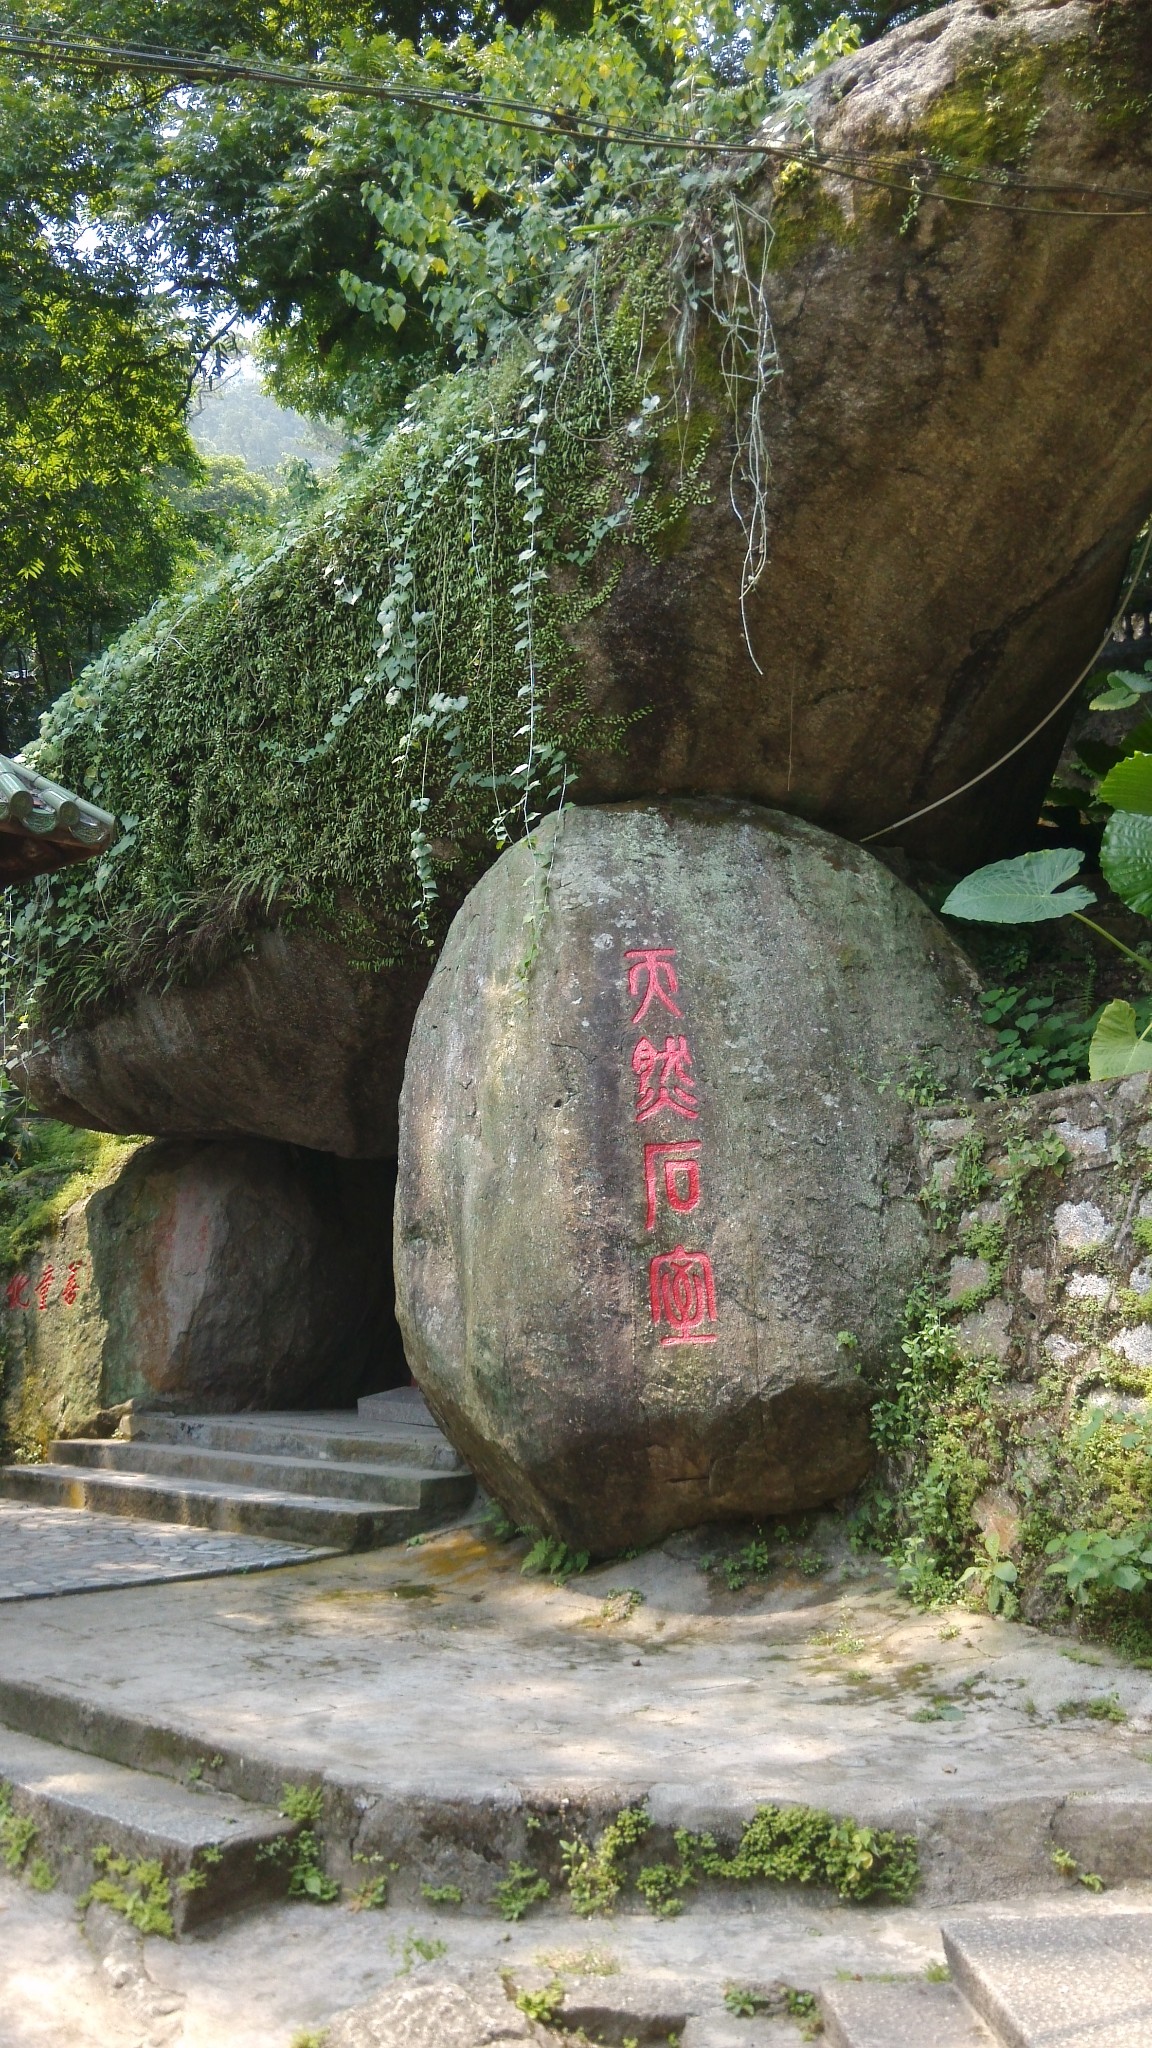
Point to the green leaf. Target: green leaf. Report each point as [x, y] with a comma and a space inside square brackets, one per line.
[1021, 891]
[1125, 687]
[1128, 786]
[1126, 859]
[1115, 1047]
[1115, 698]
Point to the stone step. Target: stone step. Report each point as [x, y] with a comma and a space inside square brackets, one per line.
[341, 1436]
[398, 1404]
[241, 1510]
[406, 1486]
[218, 1845]
[1077, 1979]
[900, 2015]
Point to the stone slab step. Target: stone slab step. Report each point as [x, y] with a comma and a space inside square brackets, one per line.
[908, 2015]
[400, 1404]
[342, 1437]
[79, 1804]
[1078, 1979]
[244, 1511]
[380, 1485]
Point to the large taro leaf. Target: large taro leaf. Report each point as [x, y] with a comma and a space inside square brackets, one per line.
[1020, 891]
[1128, 786]
[1126, 858]
[1115, 1047]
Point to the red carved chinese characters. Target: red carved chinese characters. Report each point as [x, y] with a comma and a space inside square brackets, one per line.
[678, 1168]
[664, 1079]
[683, 1295]
[661, 985]
[681, 1286]
[18, 1291]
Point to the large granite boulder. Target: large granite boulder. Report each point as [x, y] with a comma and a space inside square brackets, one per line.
[216, 1276]
[290, 1041]
[958, 451]
[657, 1196]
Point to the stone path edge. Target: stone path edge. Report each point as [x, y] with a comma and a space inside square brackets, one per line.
[969, 1844]
[172, 1578]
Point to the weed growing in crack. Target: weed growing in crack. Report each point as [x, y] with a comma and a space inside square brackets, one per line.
[417, 1948]
[1067, 1865]
[523, 1887]
[541, 2006]
[304, 1853]
[781, 1845]
[17, 1833]
[1105, 1707]
[594, 1873]
[140, 1891]
[620, 1605]
[369, 1897]
[777, 2001]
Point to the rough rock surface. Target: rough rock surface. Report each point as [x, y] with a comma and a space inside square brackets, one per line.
[959, 448]
[1057, 1187]
[474, 2011]
[641, 1200]
[287, 1042]
[229, 1275]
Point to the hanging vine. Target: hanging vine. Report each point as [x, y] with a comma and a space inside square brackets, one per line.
[346, 728]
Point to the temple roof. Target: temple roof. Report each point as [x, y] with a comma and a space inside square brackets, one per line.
[43, 826]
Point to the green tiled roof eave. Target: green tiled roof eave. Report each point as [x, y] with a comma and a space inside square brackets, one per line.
[43, 826]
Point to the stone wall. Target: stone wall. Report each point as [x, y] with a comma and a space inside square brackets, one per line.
[1033, 1419]
[1066, 1179]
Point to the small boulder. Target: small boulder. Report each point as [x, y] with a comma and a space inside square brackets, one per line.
[215, 1276]
[657, 1189]
[290, 1041]
[474, 2011]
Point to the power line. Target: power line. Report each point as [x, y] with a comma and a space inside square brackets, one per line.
[525, 116]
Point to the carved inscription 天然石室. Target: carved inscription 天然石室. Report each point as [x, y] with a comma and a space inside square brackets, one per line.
[681, 1285]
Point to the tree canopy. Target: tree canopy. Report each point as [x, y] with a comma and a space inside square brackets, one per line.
[146, 225]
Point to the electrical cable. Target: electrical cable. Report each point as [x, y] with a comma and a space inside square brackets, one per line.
[527, 117]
